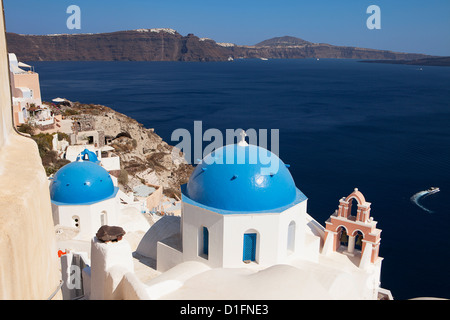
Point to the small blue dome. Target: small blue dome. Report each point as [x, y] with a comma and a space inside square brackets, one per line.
[243, 178]
[87, 155]
[81, 182]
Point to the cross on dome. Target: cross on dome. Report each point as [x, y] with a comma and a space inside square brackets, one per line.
[242, 142]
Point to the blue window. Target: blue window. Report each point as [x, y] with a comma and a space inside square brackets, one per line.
[205, 241]
[249, 247]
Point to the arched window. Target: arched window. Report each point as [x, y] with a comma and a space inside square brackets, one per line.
[291, 237]
[203, 242]
[354, 208]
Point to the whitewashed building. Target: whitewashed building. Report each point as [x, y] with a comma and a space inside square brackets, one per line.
[244, 225]
[84, 197]
[244, 228]
[233, 215]
[104, 155]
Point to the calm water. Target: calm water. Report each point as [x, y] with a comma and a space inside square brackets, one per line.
[343, 124]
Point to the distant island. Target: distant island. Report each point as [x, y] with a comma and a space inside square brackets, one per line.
[163, 44]
[432, 61]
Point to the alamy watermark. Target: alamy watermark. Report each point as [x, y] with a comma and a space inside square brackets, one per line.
[74, 20]
[192, 146]
[374, 21]
[74, 279]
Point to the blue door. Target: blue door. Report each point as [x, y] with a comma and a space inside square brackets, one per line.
[249, 246]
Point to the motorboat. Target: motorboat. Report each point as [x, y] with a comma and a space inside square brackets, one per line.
[433, 190]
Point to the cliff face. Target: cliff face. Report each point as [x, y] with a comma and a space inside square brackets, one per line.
[141, 45]
[143, 154]
[282, 42]
[295, 48]
[169, 45]
[324, 51]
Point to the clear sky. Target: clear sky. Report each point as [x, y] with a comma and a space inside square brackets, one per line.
[421, 26]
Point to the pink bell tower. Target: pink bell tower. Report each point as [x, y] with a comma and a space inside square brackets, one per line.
[353, 234]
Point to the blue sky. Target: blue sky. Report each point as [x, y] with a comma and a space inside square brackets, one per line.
[421, 26]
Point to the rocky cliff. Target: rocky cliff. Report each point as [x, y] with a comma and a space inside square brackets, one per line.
[169, 45]
[296, 48]
[144, 156]
[138, 45]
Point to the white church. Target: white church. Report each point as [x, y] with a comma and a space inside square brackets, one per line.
[244, 233]
[234, 215]
[84, 197]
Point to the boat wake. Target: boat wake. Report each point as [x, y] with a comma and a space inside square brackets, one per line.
[421, 195]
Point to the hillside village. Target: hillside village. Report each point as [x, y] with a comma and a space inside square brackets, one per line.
[136, 156]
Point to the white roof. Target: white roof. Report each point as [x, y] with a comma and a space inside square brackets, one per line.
[143, 190]
[21, 64]
[300, 280]
[14, 64]
[107, 148]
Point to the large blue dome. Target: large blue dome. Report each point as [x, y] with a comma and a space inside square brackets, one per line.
[242, 178]
[81, 182]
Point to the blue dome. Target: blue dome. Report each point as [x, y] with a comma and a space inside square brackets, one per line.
[242, 178]
[81, 182]
[87, 155]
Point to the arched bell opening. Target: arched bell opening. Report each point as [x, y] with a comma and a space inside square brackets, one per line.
[342, 237]
[358, 240]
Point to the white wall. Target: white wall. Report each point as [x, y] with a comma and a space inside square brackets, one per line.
[109, 263]
[167, 257]
[29, 265]
[226, 234]
[89, 216]
[5, 91]
[193, 219]
[297, 214]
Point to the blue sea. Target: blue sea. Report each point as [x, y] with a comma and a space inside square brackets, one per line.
[382, 128]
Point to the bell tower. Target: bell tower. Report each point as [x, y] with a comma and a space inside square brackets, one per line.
[353, 234]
